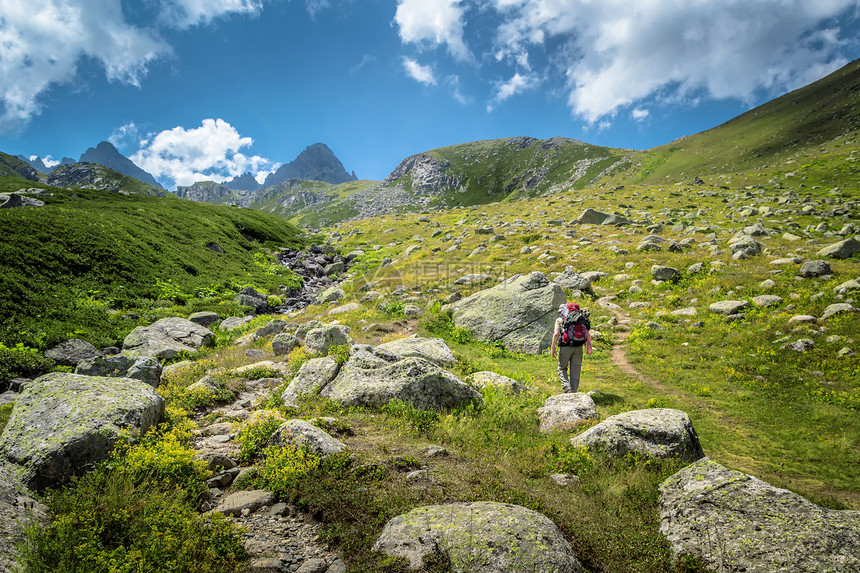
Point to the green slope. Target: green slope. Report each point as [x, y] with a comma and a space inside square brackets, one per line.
[65, 265]
[808, 136]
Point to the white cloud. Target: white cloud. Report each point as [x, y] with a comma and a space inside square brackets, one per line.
[621, 52]
[124, 134]
[187, 13]
[42, 42]
[434, 22]
[516, 85]
[639, 114]
[47, 160]
[209, 152]
[316, 6]
[418, 72]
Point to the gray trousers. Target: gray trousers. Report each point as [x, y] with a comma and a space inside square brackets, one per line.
[569, 357]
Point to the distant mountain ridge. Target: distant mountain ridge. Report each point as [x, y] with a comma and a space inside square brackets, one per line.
[316, 163]
[106, 154]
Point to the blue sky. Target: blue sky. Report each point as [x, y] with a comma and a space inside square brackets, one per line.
[209, 89]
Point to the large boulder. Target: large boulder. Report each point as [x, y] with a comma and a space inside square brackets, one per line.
[814, 269]
[312, 376]
[520, 312]
[144, 368]
[486, 378]
[566, 412]
[656, 432]
[841, 250]
[735, 522]
[71, 352]
[249, 296]
[592, 217]
[479, 537]
[570, 279]
[728, 307]
[745, 244]
[63, 423]
[375, 378]
[303, 434]
[433, 349]
[166, 338]
[320, 340]
[18, 509]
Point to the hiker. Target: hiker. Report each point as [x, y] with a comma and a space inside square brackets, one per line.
[570, 335]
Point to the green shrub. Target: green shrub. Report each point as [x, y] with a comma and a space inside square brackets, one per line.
[340, 353]
[253, 437]
[5, 414]
[283, 467]
[108, 521]
[569, 459]
[410, 418]
[21, 361]
[298, 356]
[392, 308]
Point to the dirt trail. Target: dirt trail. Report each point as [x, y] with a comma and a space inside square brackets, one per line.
[619, 353]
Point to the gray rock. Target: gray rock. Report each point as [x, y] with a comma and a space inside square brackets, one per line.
[591, 217]
[433, 349]
[787, 261]
[728, 307]
[330, 294]
[204, 318]
[745, 244]
[334, 268]
[520, 312]
[564, 480]
[564, 412]
[313, 565]
[144, 368]
[311, 378]
[320, 340]
[304, 435]
[841, 250]
[657, 432]
[206, 386]
[687, 311]
[166, 338]
[71, 352]
[480, 537]
[801, 345]
[573, 280]
[767, 300]
[486, 378]
[18, 509]
[249, 296]
[838, 308]
[272, 327]
[662, 273]
[735, 522]
[252, 500]
[348, 307]
[847, 286]
[64, 423]
[284, 343]
[367, 379]
[695, 268]
[802, 319]
[306, 327]
[234, 322]
[812, 269]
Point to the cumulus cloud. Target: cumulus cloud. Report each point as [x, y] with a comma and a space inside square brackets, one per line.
[209, 152]
[187, 13]
[621, 52]
[124, 134]
[47, 160]
[433, 22]
[639, 114]
[516, 85]
[42, 42]
[419, 73]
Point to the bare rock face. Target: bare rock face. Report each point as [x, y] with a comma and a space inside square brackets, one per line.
[566, 411]
[657, 432]
[166, 338]
[736, 522]
[480, 537]
[18, 509]
[63, 423]
[433, 349]
[520, 312]
[428, 174]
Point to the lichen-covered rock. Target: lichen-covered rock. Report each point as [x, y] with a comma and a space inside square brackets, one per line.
[71, 352]
[249, 296]
[480, 537]
[841, 250]
[204, 318]
[330, 294]
[252, 500]
[306, 327]
[728, 307]
[838, 308]
[486, 378]
[18, 509]
[736, 522]
[656, 432]
[570, 279]
[368, 379]
[520, 312]
[591, 217]
[566, 412]
[311, 378]
[234, 322]
[813, 269]
[272, 327]
[745, 244]
[144, 368]
[166, 338]
[662, 273]
[284, 343]
[319, 340]
[433, 349]
[64, 423]
[305, 435]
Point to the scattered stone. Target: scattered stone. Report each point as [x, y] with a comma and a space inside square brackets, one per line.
[249, 296]
[662, 273]
[272, 327]
[63, 423]
[845, 351]
[565, 480]
[802, 319]
[802, 345]
[204, 318]
[479, 537]
[435, 452]
[812, 269]
[841, 250]
[592, 217]
[284, 343]
[657, 432]
[320, 340]
[847, 286]
[735, 522]
[305, 435]
[687, 311]
[473, 279]
[767, 300]
[487, 378]
[766, 284]
[71, 352]
[246, 500]
[234, 322]
[344, 308]
[728, 307]
[564, 412]
[745, 244]
[166, 338]
[433, 349]
[311, 378]
[838, 308]
[331, 294]
[570, 279]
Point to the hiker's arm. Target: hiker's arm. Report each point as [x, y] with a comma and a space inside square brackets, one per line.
[554, 343]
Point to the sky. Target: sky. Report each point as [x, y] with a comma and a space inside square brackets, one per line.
[196, 90]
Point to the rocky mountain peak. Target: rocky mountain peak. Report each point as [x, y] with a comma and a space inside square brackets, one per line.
[244, 182]
[316, 163]
[107, 155]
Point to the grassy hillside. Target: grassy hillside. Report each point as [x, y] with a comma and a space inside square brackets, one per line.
[807, 137]
[11, 166]
[77, 266]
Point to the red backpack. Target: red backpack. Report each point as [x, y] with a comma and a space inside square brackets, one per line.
[575, 324]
